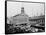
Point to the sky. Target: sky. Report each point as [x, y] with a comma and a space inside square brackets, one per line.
[31, 9]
